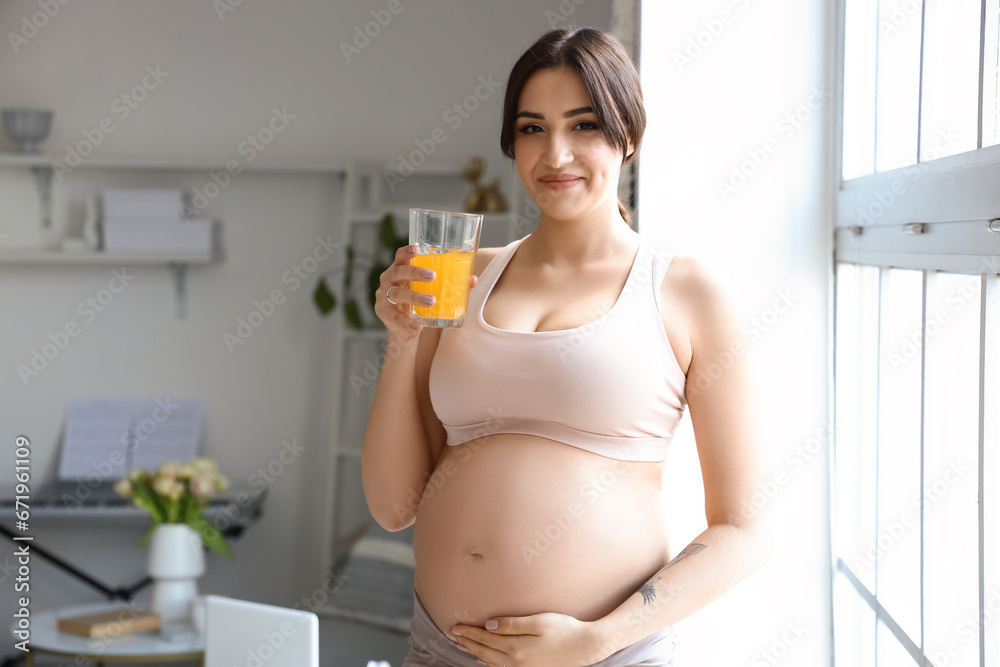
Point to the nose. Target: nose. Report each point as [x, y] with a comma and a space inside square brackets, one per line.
[558, 150]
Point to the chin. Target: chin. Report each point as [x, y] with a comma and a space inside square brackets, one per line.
[558, 208]
[562, 212]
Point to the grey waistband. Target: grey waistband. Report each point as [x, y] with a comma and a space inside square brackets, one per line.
[429, 647]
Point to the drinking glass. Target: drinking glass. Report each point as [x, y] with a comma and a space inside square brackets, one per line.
[447, 243]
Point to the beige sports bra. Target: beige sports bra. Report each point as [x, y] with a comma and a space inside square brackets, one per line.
[612, 387]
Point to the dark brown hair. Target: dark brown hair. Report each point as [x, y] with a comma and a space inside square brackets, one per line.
[607, 71]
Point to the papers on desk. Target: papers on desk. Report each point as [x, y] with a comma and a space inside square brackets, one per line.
[111, 436]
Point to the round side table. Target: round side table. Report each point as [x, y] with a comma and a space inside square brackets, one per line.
[139, 647]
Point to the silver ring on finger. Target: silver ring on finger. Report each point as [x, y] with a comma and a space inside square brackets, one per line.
[388, 292]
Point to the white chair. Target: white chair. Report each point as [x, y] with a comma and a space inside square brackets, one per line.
[252, 634]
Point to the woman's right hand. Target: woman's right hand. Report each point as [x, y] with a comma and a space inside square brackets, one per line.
[396, 317]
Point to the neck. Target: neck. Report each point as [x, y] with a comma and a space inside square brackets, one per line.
[594, 236]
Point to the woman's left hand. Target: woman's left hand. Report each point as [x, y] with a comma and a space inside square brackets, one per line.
[547, 639]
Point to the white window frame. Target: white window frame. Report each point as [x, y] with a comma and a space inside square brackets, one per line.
[954, 198]
[940, 215]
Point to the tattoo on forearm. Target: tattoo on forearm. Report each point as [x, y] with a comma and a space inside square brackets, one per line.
[689, 550]
[647, 589]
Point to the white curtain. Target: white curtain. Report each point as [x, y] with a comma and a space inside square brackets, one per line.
[726, 83]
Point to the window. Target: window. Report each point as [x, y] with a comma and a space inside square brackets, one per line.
[916, 459]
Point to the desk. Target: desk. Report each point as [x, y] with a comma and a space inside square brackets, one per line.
[139, 647]
[230, 513]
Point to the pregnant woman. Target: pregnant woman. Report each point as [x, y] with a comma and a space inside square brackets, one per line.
[528, 446]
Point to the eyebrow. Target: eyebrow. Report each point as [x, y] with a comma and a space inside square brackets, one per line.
[568, 114]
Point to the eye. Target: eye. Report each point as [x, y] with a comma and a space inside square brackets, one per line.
[529, 129]
[585, 125]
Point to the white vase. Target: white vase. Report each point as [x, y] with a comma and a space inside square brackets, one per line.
[176, 560]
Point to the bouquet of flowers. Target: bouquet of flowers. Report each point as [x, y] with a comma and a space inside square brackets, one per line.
[177, 493]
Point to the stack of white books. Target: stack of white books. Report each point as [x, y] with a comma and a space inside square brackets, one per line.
[152, 220]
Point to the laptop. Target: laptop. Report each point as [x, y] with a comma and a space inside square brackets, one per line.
[248, 633]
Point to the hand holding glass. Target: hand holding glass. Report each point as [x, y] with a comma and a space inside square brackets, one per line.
[447, 243]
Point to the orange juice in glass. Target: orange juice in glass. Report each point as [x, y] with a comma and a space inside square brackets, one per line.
[447, 243]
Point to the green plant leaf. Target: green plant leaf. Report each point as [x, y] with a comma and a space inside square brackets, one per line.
[180, 508]
[144, 540]
[324, 299]
[349, 270]
[212, 538]
[145, 497]
[387, 232]
[374, 281]
[192, 513]
[353, 313]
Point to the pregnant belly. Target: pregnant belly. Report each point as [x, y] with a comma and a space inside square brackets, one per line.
[511, 525]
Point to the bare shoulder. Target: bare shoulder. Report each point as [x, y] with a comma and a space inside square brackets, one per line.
[698, 282]
[483, 257]
[698, 305]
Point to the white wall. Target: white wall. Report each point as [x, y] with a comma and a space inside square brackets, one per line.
[225, 77]
[720, 79]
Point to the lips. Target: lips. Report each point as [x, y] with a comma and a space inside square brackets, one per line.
[560, 181]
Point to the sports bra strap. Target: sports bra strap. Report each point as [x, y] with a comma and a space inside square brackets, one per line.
[661, 262]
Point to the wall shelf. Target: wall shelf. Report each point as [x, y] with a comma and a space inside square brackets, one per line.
[92, 258]
[178, 263]
[25, 160]
[44, 167]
